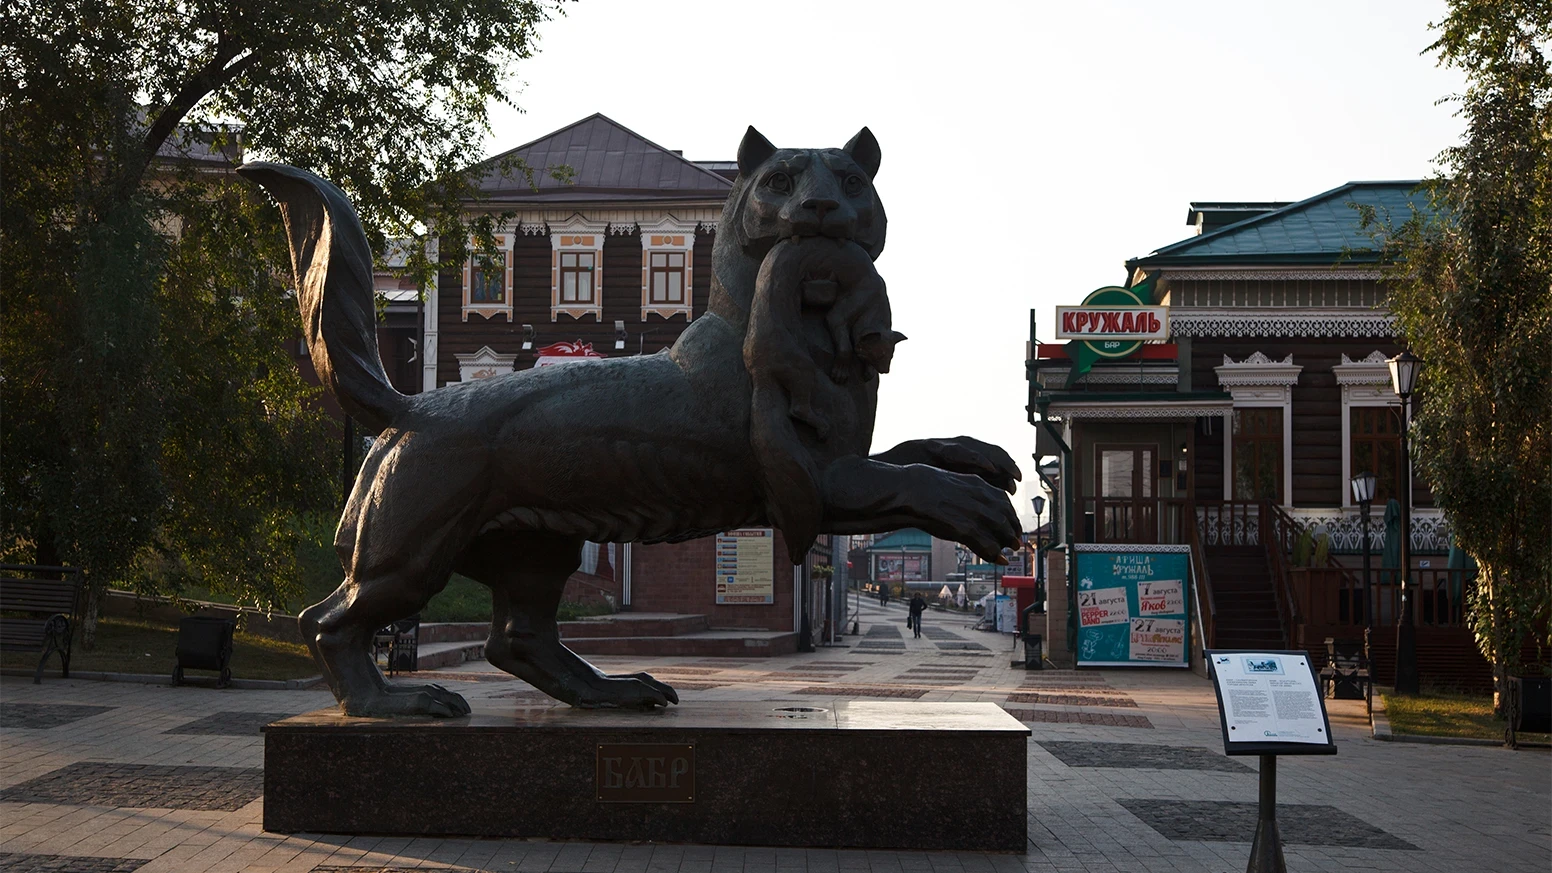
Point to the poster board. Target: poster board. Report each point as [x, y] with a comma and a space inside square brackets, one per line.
[1269, 703]
[1134, 605]
[746, 566]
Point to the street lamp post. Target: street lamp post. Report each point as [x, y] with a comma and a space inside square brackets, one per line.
[1404, 369]
[1363, 495]
[1039, 502]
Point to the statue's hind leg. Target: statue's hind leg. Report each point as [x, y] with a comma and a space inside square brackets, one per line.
[526, 573]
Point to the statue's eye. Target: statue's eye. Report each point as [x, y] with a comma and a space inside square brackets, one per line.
[853, 185]
[781, 183]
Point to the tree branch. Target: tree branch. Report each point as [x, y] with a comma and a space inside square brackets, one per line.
[217, 72]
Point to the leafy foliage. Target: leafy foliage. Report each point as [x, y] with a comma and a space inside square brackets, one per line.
[156, 431]
[1471, 286]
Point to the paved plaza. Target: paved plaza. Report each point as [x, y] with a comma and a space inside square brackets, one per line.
[1126, 773]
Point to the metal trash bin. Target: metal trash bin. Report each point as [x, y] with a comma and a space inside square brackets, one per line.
[1530, 707]
[1030, 622]
[205, 643]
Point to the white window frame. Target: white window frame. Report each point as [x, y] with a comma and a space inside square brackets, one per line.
[578, 234]
[1259, 381]
[1364, 382]
[504, 243]
[668, 235]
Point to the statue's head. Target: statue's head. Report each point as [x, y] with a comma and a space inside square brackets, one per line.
[782, 193]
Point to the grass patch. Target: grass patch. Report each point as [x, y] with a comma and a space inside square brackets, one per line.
[1448, 715]
[131, 646]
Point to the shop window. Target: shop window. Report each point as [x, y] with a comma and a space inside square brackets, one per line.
[1258, 454]
[1376, 447]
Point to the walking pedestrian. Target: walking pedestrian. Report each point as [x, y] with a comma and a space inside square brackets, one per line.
[883, 594]
[918, 606]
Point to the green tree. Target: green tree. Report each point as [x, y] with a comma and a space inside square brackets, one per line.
[154, 429]
[1471, 286]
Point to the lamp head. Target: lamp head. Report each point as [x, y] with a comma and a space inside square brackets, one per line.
[1363, 488]
[1403, 373]
[1039, 503]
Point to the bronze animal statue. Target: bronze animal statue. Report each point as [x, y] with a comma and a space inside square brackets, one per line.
[504, 479]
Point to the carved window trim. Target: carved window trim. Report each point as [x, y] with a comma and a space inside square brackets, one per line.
[1364, 382]
[487, 310]
[483, 364]
[669, 236]
[1260, 381]
[575, 235]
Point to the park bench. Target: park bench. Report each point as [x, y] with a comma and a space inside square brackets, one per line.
[39, 614]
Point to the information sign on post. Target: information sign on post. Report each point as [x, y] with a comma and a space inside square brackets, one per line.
[1133, 605]
[1269, 704]
[746, 566]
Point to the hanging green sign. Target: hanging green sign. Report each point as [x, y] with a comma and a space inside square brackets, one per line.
[1133, 605]
[1119, 320]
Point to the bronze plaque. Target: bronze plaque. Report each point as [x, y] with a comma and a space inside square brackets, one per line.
[645, 773]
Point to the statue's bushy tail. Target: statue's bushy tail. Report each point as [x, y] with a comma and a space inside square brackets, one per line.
[333, 268]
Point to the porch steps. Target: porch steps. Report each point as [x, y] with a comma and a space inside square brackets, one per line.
[1246, 600]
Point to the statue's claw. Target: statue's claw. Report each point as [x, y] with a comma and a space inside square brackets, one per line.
[665, 689]
[402, 700]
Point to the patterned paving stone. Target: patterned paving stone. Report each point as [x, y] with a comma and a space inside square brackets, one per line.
[882, 646]
[940, 633]
[1043, 679]
[1108, 719]
[802, 675]
[41, 716]
[689, 671]
[955, 666]
[873, 651]
[1071, 699]
[960, 646]
[230, 724]
[12, 862]
[945, 671]
[1141, 756]
[1223, 821]
[965, 654]
[882, 631]
[864, 691]
[146, 786]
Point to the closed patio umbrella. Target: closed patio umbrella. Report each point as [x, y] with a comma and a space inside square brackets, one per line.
[1459, 564]
[1390, 560]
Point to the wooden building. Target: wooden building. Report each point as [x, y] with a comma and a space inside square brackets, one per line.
[1237, 435]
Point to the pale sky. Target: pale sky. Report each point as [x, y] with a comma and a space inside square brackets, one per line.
[1029, 149]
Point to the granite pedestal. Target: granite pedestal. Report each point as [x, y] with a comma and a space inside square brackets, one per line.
[860, 774]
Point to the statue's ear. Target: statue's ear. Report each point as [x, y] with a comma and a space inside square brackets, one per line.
[753, 151]
[863, 149]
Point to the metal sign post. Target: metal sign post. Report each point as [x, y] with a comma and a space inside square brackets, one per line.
[1269, 704]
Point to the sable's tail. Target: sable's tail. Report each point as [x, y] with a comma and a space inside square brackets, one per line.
[333, 268]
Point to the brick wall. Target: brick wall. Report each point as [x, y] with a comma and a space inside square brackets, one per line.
[681, 578]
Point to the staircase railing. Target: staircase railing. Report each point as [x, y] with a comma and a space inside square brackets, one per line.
[1278, 532]
[1206, 603]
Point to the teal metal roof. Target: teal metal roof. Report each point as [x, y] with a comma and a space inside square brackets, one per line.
[1323, 229]
[907, 539]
